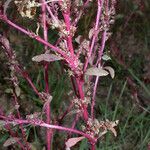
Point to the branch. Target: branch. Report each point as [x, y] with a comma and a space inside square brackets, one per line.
[43, 124]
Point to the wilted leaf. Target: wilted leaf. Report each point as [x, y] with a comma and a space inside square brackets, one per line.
[72, 141]
[96, 72]
[46, 57]
[11, 141]
[106, 57]
[111, 71]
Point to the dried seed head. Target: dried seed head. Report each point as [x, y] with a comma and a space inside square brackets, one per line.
[98, 128]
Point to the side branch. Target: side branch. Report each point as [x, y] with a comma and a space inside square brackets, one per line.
[33, 35]
[43, 124]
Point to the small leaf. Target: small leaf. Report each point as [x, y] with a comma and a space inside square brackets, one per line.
[9, 90]
[17, 106]
[113, 131]
[106, 57]
[17, 91]
[91, 33]
[11, 141]
[119, 16]
[78, 39]
[46, 57]
[2, 123]
[6, 5]
[72, 141]
[96, 72]
[111, 71]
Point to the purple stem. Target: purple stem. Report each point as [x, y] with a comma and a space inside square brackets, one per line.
[25, 75]
[81, 11]
[33, 35]
[81, 94]
[101, 48]
[19, 117]
[48, 110]
[93, 97]
[65, 113]
[71, 61]
[51, 13]
[69, 37]
[41, 124]
[99, 11]
[98, 63]
[67, 19]
[93, 146]
[80, 83]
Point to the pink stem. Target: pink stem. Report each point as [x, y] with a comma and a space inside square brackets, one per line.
[41, 124]
[93, 97]
[101, 48]
[51, 13]
[25, 75]
[67, 19]
[36, 37]
[80, 13]
[48, 110]
[92, 146]
[19, 117]
[69, 37]
[12, 134]
[98, 62]
[66, 112]
[81, 94]
[100, 5]
[75, 121]
[97, 78]
[71, 62]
